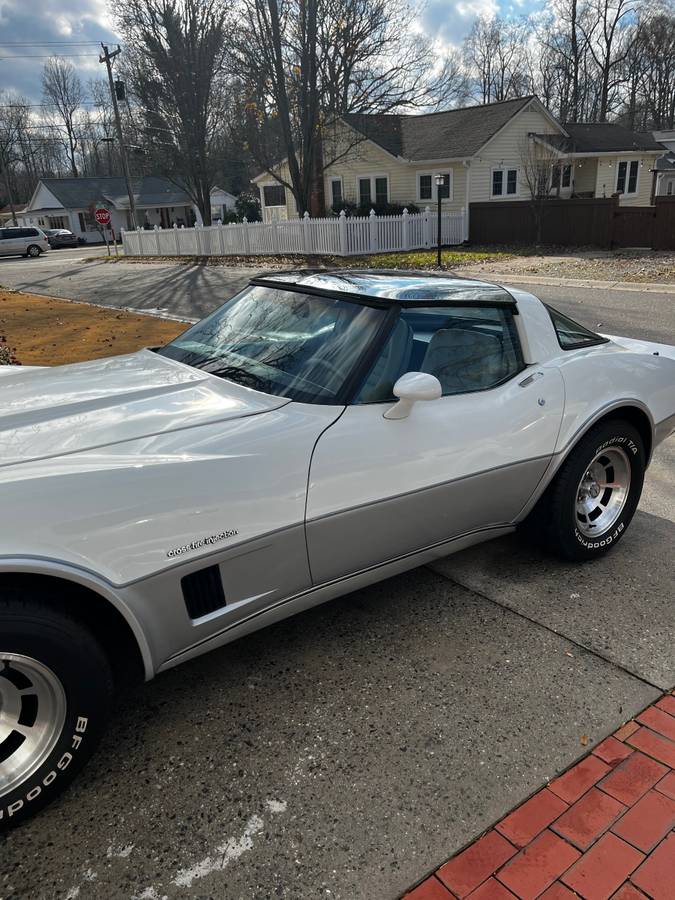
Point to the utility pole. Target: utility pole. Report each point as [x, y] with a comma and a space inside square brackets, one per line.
[106, 58]
[5, 178]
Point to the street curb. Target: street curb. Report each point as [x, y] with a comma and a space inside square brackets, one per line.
[149, 313]
[511, 278]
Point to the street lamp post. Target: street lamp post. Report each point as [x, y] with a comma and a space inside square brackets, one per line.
[440, 181]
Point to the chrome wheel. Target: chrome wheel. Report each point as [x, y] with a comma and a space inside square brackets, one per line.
[32, 713]
[33, 251]
[602, 492]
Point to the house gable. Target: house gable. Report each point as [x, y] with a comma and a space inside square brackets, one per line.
[504, 152]
[43, 198]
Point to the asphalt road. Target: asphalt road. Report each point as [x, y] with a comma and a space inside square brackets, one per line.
[192, 291]
[346, 752]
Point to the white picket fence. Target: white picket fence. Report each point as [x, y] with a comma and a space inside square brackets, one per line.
[340, 236]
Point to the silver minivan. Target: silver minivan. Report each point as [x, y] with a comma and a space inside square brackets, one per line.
[23, 241]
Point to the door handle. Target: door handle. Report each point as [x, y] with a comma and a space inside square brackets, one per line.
[526, 382]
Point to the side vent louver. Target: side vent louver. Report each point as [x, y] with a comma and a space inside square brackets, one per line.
[203, 592]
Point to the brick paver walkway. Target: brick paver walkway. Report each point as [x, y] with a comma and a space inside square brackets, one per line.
[605, 828]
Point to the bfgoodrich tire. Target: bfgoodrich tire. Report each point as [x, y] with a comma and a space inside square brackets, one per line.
[591, 502]
[55, 695]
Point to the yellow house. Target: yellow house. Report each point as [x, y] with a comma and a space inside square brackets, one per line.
[480, 152]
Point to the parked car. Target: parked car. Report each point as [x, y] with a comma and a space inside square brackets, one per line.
[23, 241]
[317, 433]
[61, 237]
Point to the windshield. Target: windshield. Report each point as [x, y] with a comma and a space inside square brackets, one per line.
[284, 343]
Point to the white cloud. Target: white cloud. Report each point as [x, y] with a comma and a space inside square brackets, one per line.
[76, 21]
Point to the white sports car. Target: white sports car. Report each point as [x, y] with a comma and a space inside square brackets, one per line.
[317, 433]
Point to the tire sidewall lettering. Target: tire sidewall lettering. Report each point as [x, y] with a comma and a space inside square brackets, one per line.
[618, 441]
[589, 544]
[604, 542]
[64, 761]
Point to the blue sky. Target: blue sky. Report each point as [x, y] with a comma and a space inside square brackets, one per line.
[89, 20]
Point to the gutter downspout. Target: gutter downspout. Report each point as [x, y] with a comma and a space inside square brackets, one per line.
[467, 169]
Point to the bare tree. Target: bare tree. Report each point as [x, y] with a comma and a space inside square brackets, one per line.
[174, 63]
[62, 89]
[537, 162]
[606, 34]
[372, 60]
[302, 64]
[495, 54]
[657, 89]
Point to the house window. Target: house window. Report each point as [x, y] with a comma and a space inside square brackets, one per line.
[83, 225]
[336, 191]
[561, 177]
[627, 177]
[504, 182]
[373, 188]
[381, 191]
[424, 187]
[669, 189]
[274, 195]
[58, 222]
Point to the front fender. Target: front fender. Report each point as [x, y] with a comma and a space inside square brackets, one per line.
[26, 565]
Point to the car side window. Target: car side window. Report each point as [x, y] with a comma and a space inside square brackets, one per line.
[467, 348]
[571, 335]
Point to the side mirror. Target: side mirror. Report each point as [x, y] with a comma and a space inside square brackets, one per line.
[410, 388]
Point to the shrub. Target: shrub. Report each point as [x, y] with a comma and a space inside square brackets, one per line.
[248, 205]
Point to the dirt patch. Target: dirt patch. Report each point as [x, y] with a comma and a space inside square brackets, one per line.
[639, 266]
[42, 331]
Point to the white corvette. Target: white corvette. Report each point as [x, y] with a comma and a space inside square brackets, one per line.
[317, 433]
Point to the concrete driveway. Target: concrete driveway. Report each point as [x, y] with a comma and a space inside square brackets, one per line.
[346, 752]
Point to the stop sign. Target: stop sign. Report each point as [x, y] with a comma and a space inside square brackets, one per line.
[102, 215]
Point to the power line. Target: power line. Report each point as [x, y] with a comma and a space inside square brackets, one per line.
[47, 43]
[41, 105]
[46, 56]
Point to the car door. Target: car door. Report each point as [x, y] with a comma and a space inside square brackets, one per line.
[8, 242]
[382, 488]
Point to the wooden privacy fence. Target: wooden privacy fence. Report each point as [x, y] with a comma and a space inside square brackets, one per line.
[664, 227]
[597, 222]
[339, 235]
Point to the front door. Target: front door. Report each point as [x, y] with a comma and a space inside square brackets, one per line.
[382, 488]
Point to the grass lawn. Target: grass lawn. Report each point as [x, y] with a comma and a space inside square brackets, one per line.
[42, 331]
[421, 259]
[413, 259]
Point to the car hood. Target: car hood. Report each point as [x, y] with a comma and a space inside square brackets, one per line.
[46, 412]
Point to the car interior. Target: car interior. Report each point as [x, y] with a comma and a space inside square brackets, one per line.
[467, 350]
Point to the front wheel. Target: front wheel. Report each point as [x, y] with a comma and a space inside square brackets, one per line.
[33, 251]
[55, 694]
[593, 498]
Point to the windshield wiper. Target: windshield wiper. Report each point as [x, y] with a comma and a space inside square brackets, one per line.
[240, 376]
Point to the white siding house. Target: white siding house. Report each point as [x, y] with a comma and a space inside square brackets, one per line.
[69, 203]
[480, 150]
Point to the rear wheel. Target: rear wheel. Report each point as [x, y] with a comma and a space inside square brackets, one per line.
[593, 498]
[55, 694]
[33, 250]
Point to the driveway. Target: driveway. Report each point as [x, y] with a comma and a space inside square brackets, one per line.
[346, 752]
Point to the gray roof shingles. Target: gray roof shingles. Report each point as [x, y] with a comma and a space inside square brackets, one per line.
[149, 190]
[453, 134]
[601, 137]
[666, 163]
